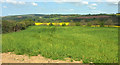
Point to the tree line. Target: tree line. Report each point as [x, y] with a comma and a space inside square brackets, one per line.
[13, 26]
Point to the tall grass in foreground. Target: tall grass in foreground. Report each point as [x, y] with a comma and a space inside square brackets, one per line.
[97, 45]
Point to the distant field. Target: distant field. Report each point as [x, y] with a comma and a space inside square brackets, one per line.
[97, 45]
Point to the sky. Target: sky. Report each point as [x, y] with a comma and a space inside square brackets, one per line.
[21, 7]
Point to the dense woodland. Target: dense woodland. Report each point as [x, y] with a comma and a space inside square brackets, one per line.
[21, 22]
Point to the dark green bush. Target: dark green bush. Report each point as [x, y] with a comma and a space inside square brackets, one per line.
[77, 24]
[8, 26]
[102, 24]
[51, 24]
[64, 24]
[89, 24]
[13, 26]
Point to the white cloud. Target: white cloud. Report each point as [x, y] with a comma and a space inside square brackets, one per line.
[4, 6]
[79, 3]
[67, 0]
[85, 2]
[73, 1]
[59, 1]
[34, 4]
[112, 0]
[98, 0]
[2, 1]
[21, 2]
[115, 2]
[92, 6]
[12, 1]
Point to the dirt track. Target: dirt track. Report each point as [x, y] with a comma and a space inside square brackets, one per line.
[12, 58]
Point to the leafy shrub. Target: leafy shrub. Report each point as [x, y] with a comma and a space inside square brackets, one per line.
[82, 22]
[102, 24]
[72, 24]
[89, 24]
[8, 26]
[77, 24]
[22, 25]
[13, 26]
[64, 24]
[51, 24]
[71, 60]
[109, 22]
[95, 22]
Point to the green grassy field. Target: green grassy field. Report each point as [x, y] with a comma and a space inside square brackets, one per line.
[97, 45]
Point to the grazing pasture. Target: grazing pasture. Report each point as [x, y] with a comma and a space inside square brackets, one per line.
[89, 44]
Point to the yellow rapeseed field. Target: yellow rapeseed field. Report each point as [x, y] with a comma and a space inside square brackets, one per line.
[69, 23]
[95, 25]
[52, 23]
[116, 26]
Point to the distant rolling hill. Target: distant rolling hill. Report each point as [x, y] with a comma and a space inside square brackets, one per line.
[22, 17]
[60, 17]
